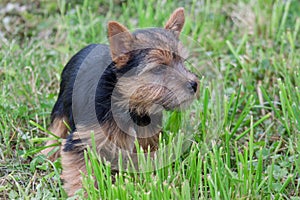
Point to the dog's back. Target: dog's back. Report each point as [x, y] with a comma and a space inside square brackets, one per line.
[118, 92]
[62, 111]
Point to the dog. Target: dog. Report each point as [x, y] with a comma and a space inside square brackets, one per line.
[118, 92]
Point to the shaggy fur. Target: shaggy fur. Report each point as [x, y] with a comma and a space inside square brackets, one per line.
[146, 74]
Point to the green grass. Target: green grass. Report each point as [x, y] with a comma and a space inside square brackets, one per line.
[244, 127]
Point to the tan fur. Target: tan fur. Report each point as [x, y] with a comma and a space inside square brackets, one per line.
[109, 140]
[59, 129]
[119, 40]
[73, 164]
[146, 93]
[160, 56]
[142, 101]
[109, 136]
[176, 21]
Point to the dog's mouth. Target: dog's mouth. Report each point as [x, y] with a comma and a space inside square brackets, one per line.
[169, 100]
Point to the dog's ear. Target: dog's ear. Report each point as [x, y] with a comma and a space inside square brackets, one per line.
[176, 21]
[120, 40]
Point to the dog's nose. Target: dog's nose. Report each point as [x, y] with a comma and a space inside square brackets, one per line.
[193, 86]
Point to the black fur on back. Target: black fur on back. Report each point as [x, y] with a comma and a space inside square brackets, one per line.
[63, 105]
[105, 87]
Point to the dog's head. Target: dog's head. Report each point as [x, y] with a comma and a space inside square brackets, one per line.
[150, 66]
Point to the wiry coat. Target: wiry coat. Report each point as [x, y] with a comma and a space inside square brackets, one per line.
[144, 75]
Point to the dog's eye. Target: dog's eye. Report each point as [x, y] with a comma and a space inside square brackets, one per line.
[159, 70]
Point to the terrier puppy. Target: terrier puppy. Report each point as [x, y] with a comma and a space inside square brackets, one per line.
[142, 73]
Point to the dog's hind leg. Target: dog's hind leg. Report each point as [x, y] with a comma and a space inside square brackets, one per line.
[59, 129]
[73, 165]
